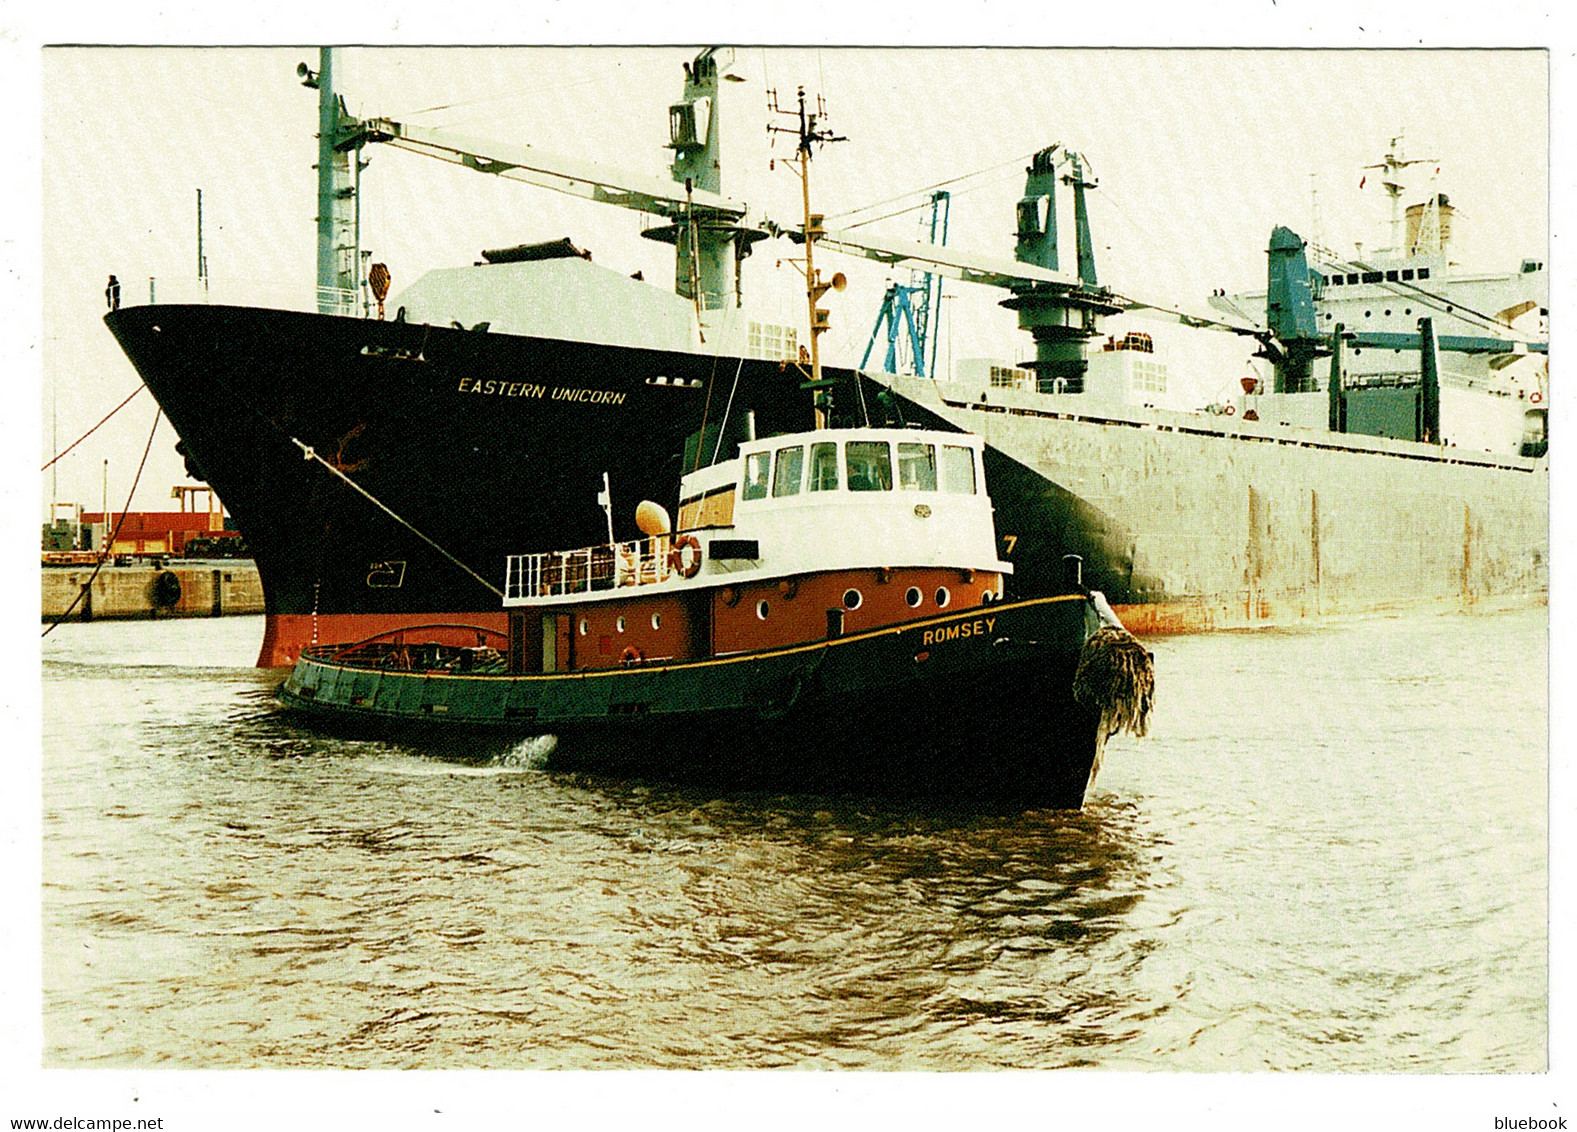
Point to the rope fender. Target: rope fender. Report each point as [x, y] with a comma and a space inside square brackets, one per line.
[1116, 676]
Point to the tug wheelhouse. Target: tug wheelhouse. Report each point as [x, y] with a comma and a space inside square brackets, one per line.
[798, 538]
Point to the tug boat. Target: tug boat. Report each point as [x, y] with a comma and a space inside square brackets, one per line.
[830, 600]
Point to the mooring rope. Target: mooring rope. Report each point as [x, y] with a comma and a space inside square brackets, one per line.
[308, 452]
[95, 428]
[109, 539]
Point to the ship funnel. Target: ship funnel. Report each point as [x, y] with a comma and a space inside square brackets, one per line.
[652, 519]
[1429, 226]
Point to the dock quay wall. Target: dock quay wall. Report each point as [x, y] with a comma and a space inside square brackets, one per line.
[200, 589]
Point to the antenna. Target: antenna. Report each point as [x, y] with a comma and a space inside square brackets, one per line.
[202, 260]
[809, 134]
[1317, 236]
[1392, 168]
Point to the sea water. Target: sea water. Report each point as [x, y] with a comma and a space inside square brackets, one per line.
[1329, 855]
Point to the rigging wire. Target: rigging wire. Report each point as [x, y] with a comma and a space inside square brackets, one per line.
[722, 428]
[859, 386]
[94, 429]
[511, 96]
[308, 452]
[912, 192]
[109, 539]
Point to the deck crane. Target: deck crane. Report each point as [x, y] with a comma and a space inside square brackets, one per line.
[1061, 310]
[713, 234]
[709, 231]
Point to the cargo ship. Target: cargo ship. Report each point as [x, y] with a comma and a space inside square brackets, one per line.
[383, 469]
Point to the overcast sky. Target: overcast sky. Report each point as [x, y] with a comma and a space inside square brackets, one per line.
[1198, 154]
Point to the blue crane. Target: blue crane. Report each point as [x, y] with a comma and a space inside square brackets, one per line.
[912, 306]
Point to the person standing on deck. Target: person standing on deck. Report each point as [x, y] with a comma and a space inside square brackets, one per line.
[112, 294]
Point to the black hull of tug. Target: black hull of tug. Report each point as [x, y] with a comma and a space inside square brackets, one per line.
[975, 707]
[488, 445]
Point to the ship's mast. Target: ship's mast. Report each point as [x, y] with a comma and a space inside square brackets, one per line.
[1060, 316]
[708, 247]
[339, 169]
[809, 133]
[1391, 181]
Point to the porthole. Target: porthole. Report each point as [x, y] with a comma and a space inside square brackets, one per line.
[942, 597]
[762, 609]
[1408, 310]
[583, 626]
[1366, 314]
[619, 624]
[1388, 312]
[657, 621]
[912, 596]
[852, 599]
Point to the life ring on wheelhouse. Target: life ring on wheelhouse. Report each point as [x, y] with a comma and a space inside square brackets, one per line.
[631, 655]
[686, 566]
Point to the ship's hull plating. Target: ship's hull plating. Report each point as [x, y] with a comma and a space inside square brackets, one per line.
[1191, 527]
[487, 445]
[934, 706]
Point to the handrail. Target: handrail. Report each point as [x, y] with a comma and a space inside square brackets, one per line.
[555, 573]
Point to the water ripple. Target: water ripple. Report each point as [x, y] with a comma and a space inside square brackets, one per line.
[1297, 889]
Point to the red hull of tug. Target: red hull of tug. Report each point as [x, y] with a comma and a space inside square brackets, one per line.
[681, 625]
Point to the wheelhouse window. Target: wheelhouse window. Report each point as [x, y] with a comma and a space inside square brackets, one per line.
[869, 465]
[823, 467]
[786, 471]
[958, 470]
[916, 467]
[756, 465]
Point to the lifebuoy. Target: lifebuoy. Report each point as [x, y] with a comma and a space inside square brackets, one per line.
[677, 560]
[1231, 409]
[166, 589]
[1536, 397]
[631, 655]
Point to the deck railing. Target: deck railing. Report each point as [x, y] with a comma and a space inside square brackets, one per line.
[556, 573]
[273, 294]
